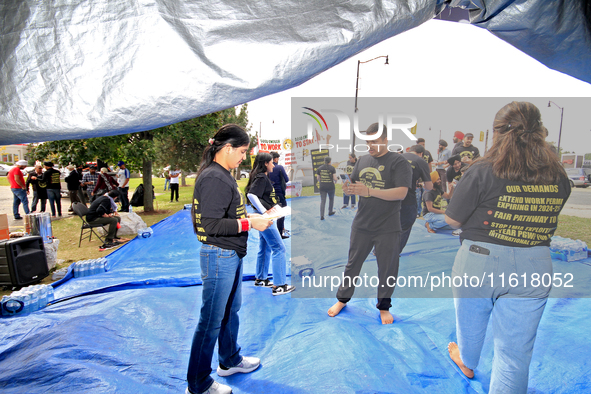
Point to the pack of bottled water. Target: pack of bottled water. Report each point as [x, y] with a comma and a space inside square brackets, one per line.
[89, 267]
[26, 300]
[567, 249]
[145, 232]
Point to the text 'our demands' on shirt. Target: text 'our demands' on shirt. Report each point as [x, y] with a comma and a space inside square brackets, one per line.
[505, 212]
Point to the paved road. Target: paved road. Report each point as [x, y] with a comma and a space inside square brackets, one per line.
[6, 198]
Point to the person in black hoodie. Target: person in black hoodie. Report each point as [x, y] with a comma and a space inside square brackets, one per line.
[104, 211]
[73, 180]
[51, 177]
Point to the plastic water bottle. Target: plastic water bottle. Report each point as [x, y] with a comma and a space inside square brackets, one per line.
[50, 295]
[12, 305]
[4, 299]
[145, 232]
[130, 210]
[34, 306]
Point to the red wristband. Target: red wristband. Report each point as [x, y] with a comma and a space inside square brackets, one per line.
[245, 225]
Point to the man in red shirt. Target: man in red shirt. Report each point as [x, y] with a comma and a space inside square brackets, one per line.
[19, 189]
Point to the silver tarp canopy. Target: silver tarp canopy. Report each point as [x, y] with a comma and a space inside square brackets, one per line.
[81, 69]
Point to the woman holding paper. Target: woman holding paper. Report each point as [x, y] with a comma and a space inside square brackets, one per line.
[222, 224]
[261, 194]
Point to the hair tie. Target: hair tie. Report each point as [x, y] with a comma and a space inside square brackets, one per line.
[211, 141]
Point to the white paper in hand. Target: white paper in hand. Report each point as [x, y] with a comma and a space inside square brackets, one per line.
[277, 212]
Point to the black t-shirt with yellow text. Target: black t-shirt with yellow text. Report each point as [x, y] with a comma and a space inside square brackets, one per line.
[435, 196]
[263, 188]
[506, 212]
[392, 170]
[326, 172]
[471, 151]
[218, 202]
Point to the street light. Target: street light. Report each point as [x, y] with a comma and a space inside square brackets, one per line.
[359, 62]
[560, 130]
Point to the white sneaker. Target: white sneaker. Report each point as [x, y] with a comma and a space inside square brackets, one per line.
[248, 364]
[215, 388]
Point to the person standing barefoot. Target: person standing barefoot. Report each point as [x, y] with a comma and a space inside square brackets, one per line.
[381, 179]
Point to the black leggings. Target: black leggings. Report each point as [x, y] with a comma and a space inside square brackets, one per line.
[174, 188]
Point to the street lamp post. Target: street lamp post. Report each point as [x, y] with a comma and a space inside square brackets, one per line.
[560, 130]
[359, 62]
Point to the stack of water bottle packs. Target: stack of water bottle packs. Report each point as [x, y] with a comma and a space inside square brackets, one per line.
[89, 267]
[567, 249]
[27, 300]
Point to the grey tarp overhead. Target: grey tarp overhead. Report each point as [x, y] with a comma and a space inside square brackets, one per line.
[80, 69]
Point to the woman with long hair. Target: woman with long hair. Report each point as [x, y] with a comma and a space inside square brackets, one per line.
[261, 194]
[507, 204]
[222, 224]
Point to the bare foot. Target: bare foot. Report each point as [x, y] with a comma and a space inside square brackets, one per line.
[429, 229]
[336, 308]
[454, 353]
[386, 317]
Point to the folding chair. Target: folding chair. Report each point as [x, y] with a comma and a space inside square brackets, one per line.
[87, 229]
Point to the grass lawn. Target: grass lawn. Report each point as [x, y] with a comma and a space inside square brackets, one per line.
[67, 230]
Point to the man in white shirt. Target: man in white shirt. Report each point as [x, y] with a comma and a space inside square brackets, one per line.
[123, 180]
[174, 183]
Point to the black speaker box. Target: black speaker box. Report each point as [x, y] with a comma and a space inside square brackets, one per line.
[22, 261]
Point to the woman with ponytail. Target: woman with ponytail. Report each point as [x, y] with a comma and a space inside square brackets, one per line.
[222, 224]
[507, 204]
[261, 194]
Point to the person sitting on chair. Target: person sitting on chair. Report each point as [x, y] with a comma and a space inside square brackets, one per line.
[104, 211]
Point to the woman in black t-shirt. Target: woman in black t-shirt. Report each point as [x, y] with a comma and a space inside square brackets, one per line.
[221, 223]
[261, 194]
[507, 204]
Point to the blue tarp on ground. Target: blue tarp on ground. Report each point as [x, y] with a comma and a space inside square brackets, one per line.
[129, 330]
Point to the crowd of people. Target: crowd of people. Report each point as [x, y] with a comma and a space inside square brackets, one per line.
[85, 186]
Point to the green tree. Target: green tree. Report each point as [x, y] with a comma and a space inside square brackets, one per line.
[183, 143]
[135, 149]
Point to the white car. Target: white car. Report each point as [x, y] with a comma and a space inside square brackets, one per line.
[4, 169]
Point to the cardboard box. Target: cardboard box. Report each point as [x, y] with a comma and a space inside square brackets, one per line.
[4, 232]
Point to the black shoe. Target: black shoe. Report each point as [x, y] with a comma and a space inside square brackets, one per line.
[343, 207]
[19, 218]
[263, 283]
[177, 200]
[107, 246]
[321, 217]
[284, 289]
[331, 213]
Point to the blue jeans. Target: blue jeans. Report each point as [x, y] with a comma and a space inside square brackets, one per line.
[166, 182]
[436, 221]
[221, 273]
[346, 199]
[516, 309]
[419, 200]
[55, 199]
[20, 195]
[124, 198]
[271, 247]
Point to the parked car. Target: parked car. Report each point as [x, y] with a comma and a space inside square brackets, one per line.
[579, 177]
[244, 174]
[4, 169]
